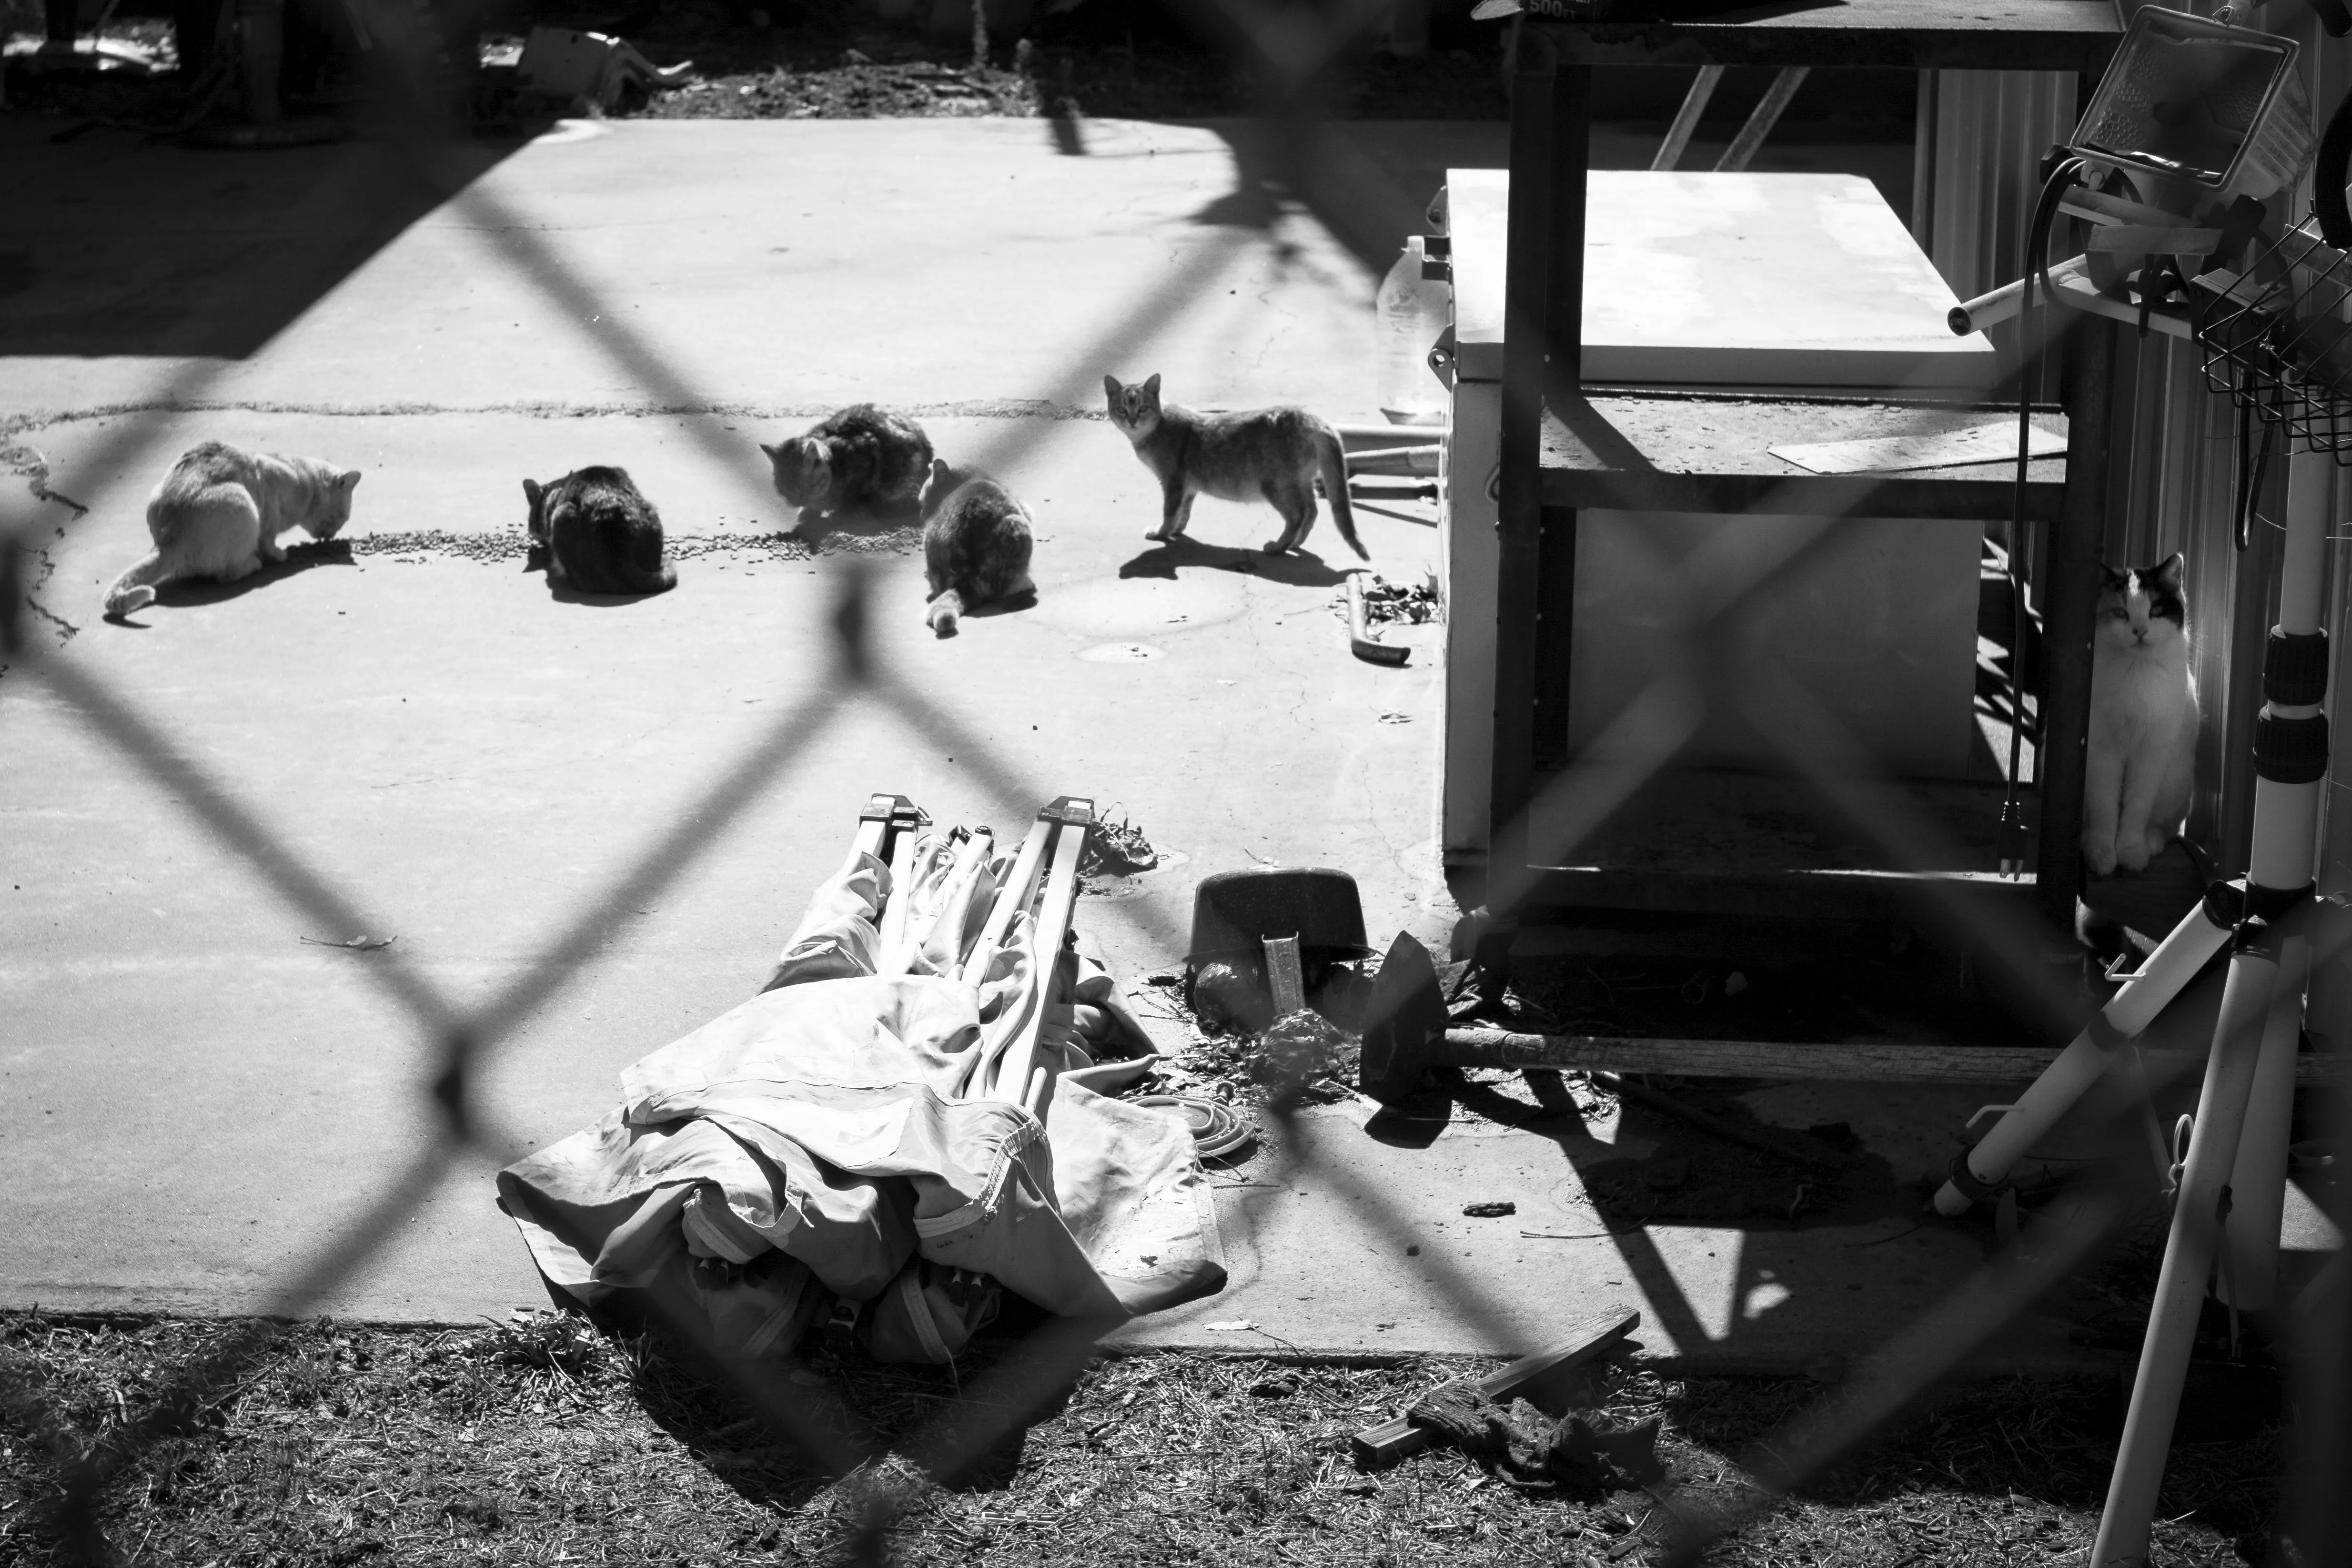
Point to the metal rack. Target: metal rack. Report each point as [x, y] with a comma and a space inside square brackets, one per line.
[1561, 449]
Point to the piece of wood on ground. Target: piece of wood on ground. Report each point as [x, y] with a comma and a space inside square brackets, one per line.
[1585, 1338]
[1361, 641]
[1284, 975]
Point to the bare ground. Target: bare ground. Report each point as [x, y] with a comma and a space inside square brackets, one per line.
[542, 1440]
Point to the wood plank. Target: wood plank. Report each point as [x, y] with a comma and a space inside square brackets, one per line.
[1886, 35]
[1587, 1338]
[1844, 1062]
[1712, 453]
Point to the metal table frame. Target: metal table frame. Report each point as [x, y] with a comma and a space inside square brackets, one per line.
[1549, 152]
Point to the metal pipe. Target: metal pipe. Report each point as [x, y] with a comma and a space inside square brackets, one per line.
[1761, 118]
[1686, 118]
[2185, 950]
[2188, 1255]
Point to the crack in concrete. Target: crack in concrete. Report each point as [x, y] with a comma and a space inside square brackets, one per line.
[979, 408]
[29, 464]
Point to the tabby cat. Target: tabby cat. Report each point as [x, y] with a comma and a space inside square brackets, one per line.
[219, 514]
[976, 542]
[1279, 455]
[862, 456]
[2143, 743]
[595, 533]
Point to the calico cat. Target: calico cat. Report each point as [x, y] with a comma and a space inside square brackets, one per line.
[219, 514]
[976, 542]
[594, 532]
[1279, 455]
[2143, 742]
[862, 455]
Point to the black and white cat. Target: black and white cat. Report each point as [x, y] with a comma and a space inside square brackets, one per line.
[2143, 743]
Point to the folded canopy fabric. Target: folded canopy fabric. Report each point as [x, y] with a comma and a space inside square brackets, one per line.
[824, 1119]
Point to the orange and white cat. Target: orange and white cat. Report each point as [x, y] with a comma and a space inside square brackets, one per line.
[219, 514]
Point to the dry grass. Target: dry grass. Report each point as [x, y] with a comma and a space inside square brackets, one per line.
[540, 1441]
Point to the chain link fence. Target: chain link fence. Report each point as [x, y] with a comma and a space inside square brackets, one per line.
[1288, 45]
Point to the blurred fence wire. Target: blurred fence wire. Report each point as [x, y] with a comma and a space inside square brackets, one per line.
[1286, 47]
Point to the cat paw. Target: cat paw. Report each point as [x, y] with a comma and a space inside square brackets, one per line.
[2100, 857]
[2157, 839]
[1274, 547]
[2131, 852]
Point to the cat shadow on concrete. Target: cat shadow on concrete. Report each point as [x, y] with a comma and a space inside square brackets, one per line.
[1300, 569]
[1012, 605]
[184, 592]
[566, 594]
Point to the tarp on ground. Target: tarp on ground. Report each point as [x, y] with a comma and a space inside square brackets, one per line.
[822, 1119]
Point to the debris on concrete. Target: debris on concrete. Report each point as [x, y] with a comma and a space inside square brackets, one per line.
[1217, 1131]
[1117, 849]
[1387, 602]
[1493, 1209]
[356, 944]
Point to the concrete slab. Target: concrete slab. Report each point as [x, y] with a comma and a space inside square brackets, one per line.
[789, 265]
[207, 1098]
[200, 1101]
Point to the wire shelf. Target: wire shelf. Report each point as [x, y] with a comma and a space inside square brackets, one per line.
[2277, 336]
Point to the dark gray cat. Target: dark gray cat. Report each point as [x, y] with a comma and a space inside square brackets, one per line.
[595, 533]
[976, 544]
[862, 456]
[1281, 456]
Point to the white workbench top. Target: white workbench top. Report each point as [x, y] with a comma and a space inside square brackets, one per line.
[1726, 280]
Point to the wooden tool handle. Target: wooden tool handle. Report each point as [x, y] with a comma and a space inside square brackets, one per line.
[1392, 1440]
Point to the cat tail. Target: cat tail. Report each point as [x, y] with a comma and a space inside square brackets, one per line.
[944, 611]
[1331, 457]
[636, 579]
[135, 589]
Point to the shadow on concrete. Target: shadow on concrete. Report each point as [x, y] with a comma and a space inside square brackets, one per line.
[1013, 605]
[1302, 569]
[189, 593]
[178, 251]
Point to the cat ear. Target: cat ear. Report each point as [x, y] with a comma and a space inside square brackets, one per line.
[347, 480]
[2111, 578]
[770, 451]
[531, 491]
[2167, 571]
[1151, 384]
[1110, 387]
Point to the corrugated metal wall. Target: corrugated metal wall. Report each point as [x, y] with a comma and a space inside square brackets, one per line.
[2171, 485]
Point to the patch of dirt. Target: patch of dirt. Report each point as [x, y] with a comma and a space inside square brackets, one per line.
[829, 60]
[542, 1439]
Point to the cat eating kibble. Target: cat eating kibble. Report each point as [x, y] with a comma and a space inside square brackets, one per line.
[2141, 761]
[976, 542]
[595, 533]
[219, 514]
[1281, 456]
[862, 456]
